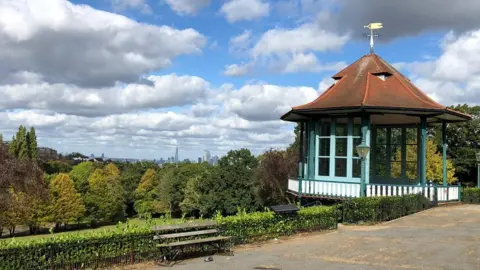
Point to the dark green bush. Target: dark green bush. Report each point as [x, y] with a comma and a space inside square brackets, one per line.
[378, 209]
[104, 248]
[471, 195]
[256, 226]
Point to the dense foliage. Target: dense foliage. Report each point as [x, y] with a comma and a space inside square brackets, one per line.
[65, 204]
[378, 209]
[247, 227]
[102, 247]
[463, 141]
[471, 195]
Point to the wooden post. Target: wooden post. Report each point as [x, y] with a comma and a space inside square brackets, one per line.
[132, 252]
[301, 155]
[444, 148]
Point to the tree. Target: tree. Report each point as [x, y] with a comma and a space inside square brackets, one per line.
[191, 202]
[18, 146]
[80, 174]
[463, 141]
[56, 166]
[434, 164]
[65, 203]
[32, 144]
[21, 182]
[226, 187]
[104, 198]
[173, 180]
[272, 175]
[147, 201]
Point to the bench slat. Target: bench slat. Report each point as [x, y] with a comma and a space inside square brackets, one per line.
[184, 234]
[196, 241]
[171, 227]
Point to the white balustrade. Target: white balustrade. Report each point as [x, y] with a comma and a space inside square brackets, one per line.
[352, 190]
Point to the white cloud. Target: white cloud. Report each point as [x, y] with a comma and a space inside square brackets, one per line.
[132, 4]
[76, 44]
[187, 7]
[235, 70]
[241, 43]
[237, 10]
[162, 92]
[307, 37]
[266, 102]
[454, 77]
[308, 62]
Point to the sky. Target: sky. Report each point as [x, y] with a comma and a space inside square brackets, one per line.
[136, 78]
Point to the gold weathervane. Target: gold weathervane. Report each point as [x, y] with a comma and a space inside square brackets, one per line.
[373, 26]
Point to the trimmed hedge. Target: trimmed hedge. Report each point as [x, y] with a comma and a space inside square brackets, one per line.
[471, 195]
[257, 226]
[379, 209]
[133, 243]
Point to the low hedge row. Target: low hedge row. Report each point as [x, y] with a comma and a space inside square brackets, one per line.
[267, 225]
[130, 243]
[471, 195]
[133, 243]
[379, 209]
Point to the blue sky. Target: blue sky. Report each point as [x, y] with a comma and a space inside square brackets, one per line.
[136, 78]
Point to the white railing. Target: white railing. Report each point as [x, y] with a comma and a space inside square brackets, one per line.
[351, 190]
[293, 185]
[326, 189]
[449, 193]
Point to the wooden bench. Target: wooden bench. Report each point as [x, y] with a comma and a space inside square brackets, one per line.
[177, 239]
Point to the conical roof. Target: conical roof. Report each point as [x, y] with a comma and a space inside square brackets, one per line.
[371, 84]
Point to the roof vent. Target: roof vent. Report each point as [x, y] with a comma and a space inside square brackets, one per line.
[382, 75]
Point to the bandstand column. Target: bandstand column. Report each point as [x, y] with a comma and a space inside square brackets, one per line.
[444, 148]
[423, 150]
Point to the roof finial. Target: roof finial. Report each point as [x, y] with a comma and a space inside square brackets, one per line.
[373, 26]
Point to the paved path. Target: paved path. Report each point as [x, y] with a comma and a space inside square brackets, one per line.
[441, 238]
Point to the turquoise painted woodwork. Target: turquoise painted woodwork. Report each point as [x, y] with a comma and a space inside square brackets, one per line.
[365, 140]
[423, 151]
[444, 148]
[404, 152]
[373, 152]
[332, 149]
[311, 150]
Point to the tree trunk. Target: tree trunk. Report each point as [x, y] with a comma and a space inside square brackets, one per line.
[12, 230]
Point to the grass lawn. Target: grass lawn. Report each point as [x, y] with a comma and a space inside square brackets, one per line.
[134, 221]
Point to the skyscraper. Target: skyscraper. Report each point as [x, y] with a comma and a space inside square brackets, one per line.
[206, 156]
[176, 155]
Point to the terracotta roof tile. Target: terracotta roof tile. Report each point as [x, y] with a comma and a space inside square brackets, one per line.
[358, 85]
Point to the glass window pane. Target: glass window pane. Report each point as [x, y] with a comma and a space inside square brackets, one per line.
[381, 136]
[396, 152]
[356, 167]
[341, 129]
[411, 136]
[341, 167]
[412, 153]
[356, 141]
[396, 169]
[381, 168]
[357, 130]
[324, 147]
[323, 129]
[412, 170]
[396, 136]
[341, 147]
[324, 166]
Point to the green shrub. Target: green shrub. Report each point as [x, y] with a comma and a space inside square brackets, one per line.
[256, 226]
[378, 209]
[86, 251]
[471, 195]
[104, 248]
